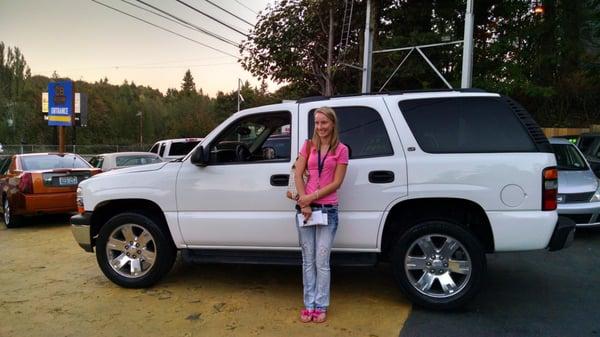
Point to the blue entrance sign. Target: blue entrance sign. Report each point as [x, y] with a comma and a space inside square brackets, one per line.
[60, 103]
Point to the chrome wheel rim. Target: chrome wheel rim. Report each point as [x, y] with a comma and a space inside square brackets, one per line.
[6, 212]
[131, 250]
[438, 265]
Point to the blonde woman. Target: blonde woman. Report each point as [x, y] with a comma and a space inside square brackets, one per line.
[327, 163]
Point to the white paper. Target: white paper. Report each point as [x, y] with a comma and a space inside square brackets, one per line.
[317, 218]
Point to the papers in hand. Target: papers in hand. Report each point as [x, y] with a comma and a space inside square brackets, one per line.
[317, 218]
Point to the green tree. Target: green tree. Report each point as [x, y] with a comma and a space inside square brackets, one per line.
[188, 87]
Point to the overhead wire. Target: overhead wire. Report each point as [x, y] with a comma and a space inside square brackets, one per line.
[248, 8]
[167, 30]
[187, 24]
[212, 18]
[230, 13]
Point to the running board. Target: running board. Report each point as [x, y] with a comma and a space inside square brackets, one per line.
[272, 257]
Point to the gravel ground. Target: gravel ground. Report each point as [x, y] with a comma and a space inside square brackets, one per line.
[51, 287]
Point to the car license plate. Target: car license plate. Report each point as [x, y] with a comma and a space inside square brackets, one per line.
[67, 181]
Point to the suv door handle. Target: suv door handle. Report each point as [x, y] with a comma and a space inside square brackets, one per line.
[280, 179]
[381, 177]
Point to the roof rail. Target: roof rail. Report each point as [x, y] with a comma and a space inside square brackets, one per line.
[398, 92]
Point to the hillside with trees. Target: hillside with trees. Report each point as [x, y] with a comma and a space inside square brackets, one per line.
[550, 63]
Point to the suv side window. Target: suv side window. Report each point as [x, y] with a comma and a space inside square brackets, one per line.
[162, 149]
[465, 125]
[361, 129]
[245, 140]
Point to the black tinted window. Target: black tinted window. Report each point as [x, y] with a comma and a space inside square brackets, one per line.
[361, 129]
[585, 143]
[182, 148]
[466, 125]
[52, 161]
[253, 138]
[154, 148]
[162, 149]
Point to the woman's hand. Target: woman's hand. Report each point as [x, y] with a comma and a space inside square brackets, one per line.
[307, 212]
[306, 199]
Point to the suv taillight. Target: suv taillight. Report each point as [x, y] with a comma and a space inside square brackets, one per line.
[26, 183]
[549, 188]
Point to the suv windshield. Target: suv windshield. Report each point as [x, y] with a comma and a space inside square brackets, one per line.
[568, 158]
[52, 161]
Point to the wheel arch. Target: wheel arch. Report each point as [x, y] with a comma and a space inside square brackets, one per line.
[466, 213]
[107, 209]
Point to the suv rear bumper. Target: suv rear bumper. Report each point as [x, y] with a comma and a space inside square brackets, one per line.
[563, 235]
[80, 226]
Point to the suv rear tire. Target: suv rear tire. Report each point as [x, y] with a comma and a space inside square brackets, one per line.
[133, 251]
[438, 264]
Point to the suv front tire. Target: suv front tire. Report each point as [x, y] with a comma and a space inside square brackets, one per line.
[133, 251]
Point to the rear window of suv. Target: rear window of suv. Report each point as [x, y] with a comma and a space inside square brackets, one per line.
[182, 148]
[466, 125]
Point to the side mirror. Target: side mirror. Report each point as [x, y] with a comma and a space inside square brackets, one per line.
[199, 157]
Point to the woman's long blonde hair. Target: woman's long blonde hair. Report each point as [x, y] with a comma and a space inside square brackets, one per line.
[335, 136]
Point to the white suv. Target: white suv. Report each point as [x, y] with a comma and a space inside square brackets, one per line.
[169, 149]
[435, 181]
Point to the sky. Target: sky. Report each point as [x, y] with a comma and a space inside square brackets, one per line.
[84, 40]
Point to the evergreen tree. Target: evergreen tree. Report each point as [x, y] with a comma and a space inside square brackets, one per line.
[188, 87]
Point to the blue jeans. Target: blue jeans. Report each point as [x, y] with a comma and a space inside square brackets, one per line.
[316, 242]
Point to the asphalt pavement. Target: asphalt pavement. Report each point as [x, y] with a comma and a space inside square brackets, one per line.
[529, 294]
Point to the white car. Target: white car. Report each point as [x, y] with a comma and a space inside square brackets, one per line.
[115, 160]
[170, 149]
[435, 181]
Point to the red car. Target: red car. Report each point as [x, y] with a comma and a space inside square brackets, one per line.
[41, 183]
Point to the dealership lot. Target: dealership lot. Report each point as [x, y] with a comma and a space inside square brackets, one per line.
[50, 287]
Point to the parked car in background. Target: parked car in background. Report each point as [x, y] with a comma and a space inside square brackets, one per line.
[40, 183]
[589, 144]
[578, 188]
[277, 146]
[110, 161]
[170, 149]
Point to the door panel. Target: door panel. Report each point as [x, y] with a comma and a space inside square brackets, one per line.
[233, 204]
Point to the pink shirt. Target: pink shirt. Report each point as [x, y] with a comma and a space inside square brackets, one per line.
[339, 156]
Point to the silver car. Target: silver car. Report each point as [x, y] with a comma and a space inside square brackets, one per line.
[578, 188]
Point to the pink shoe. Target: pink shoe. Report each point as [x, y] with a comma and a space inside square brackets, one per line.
[319, 316]
[306, 315]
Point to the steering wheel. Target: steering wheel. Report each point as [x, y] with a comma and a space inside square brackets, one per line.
[242, 153]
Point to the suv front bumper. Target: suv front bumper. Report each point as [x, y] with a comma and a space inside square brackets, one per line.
[80, 226]
[563, 235]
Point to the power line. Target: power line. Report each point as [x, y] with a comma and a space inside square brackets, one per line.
[186, 24]
[211, 17]
[165, 29]
[228, 12]
[142, 67]
[248, 8]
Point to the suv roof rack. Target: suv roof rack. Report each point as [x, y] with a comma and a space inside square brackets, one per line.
[397, 92]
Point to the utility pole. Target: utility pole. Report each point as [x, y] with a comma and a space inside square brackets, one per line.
[238, 93]
[368, 52]
[467, 65]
